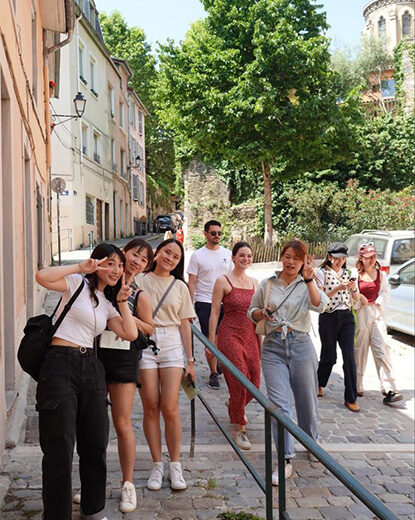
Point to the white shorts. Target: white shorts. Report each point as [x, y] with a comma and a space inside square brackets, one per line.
[171, 353]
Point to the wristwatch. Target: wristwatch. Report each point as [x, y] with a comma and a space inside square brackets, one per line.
[190, 359]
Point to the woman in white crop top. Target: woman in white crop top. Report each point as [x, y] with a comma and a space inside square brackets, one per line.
[71, 393]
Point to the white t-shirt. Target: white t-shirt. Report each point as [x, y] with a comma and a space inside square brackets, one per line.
[84, 321]
[208, 265]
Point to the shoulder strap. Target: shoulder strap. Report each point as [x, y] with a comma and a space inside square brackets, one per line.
[137, 295]
[67, 307]
[288, 295]
[267, 290]
[163, 297]
[230, 283]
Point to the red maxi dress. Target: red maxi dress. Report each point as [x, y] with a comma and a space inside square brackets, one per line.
[239, 343]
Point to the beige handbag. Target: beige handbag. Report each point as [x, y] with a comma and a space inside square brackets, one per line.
[261, 325]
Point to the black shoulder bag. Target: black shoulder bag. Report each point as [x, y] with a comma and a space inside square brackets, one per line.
[38, 334]
[143, 341]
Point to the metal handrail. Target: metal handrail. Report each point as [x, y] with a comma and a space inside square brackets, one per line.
[284, 422]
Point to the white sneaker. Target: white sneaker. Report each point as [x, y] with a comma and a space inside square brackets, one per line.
[242, 440]
[77, 498]
[155, 480]
[128, 501]
[288, 472]
[176, 476]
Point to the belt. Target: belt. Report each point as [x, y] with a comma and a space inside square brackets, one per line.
[73, 348]
[284, 329]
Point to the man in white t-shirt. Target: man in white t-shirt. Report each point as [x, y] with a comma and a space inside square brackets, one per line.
[205, 266]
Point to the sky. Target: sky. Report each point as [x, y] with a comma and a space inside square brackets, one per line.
[162, 19]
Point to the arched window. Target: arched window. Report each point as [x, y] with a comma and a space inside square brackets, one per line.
[382, 28]
[406, 24]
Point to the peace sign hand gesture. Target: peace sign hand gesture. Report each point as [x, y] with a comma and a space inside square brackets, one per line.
[91, 265]
[308, 271]
[124, 291]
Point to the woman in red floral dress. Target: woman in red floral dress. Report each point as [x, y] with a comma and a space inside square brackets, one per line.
[236, 338]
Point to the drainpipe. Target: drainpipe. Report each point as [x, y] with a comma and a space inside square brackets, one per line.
[70, 14]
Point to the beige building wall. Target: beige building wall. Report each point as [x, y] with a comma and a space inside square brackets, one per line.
[24, 177]
[119, 131]
[137, 114]
[386, 19]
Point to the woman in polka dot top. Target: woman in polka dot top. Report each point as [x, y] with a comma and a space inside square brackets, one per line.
[336, 324]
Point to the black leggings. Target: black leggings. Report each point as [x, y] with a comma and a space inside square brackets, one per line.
[71, 401]
[338, 326]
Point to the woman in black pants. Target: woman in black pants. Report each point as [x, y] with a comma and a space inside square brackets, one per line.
[336, 324]
[71, 393]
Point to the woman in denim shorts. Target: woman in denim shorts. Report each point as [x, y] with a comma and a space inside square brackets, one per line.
[161, 368]
[289, 360]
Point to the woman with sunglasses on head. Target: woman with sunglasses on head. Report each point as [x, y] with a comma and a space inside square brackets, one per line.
[373, 291]
[161, 368]
[336, 323]
[236, 335]
[289, 360]
[121, 370]
[71, 394]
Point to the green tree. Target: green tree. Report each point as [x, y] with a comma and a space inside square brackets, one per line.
[252, 84]
[130, 43]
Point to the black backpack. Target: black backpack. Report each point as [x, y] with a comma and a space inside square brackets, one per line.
[38, 334]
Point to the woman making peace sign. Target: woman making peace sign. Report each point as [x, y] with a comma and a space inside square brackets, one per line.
[289, 361]
[71, 394]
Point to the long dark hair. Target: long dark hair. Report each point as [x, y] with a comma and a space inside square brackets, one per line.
[140, 244]
[178, 271]
[102, 251]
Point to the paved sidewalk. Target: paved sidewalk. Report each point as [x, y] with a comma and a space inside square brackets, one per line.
[375, 445]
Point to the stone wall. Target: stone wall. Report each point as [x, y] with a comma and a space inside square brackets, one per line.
[207, 197]
[408, 81]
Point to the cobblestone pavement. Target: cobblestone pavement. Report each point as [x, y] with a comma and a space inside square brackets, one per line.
[375, 445]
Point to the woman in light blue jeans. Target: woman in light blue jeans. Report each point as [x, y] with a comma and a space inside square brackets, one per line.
[289, 360]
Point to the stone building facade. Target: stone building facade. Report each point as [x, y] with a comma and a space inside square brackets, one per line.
[390, 20]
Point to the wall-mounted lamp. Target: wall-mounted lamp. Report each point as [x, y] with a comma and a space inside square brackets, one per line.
[79, 102]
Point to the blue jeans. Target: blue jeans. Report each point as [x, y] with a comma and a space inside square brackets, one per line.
[290, 368]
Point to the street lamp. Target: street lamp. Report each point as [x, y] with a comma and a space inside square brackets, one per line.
[79, 103]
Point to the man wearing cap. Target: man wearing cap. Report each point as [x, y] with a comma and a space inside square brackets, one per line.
[336, 324]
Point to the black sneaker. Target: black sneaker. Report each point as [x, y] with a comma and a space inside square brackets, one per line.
[219, 369]
[392, 397]
[214, 381]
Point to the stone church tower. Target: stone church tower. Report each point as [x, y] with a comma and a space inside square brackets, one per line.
[390, 20]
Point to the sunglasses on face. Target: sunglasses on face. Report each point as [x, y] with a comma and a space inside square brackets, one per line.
[365, 245]
[215, 233]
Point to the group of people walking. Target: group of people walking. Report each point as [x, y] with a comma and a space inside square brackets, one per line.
[130, 298]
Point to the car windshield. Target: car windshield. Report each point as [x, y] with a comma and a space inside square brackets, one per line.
[354, 244]
[402, 250]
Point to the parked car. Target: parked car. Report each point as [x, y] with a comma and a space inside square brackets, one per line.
[393, 247]
[156, 222]
[166, 223]
[399, 309]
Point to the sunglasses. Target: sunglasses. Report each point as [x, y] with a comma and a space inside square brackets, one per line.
[365, 245]
[216, 233]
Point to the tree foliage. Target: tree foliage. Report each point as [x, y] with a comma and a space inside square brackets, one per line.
[252, 84]
[130, 43]
[361, 71]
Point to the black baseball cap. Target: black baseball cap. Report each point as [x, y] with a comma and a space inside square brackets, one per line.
[338, 250]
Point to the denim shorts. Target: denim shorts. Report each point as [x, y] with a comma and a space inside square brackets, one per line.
[170, 345]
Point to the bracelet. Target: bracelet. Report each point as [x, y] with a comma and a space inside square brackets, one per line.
[354, 291]
[190, 359]
[308, 280]
[122, 301]
[80, 268]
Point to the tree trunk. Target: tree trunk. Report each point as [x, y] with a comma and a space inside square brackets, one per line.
[266, 174]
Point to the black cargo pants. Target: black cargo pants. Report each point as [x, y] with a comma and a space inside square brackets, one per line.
[71, 401]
